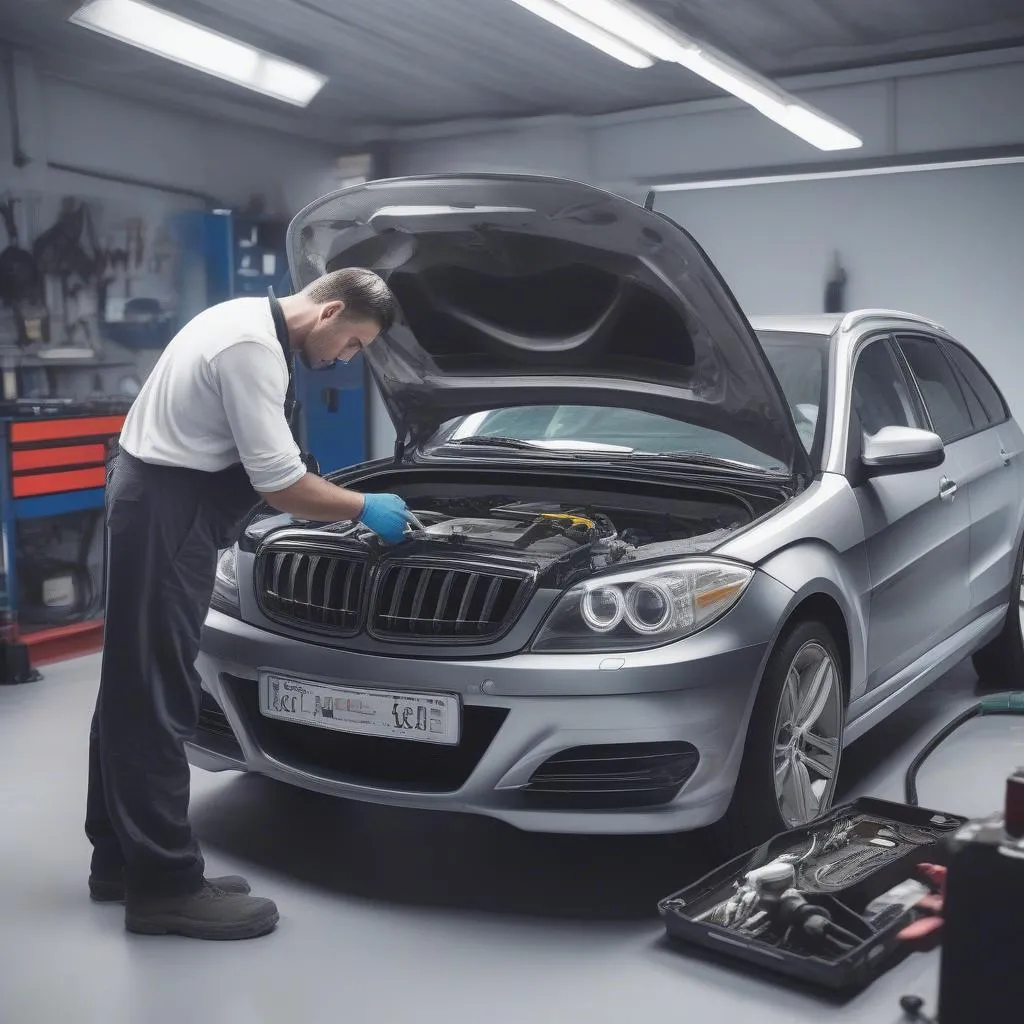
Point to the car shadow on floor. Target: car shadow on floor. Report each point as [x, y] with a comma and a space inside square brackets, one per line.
[454, 861]
[462, 862]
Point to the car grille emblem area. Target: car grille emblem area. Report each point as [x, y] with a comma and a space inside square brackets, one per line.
[433, 601]
[315, 590]
[339, 593]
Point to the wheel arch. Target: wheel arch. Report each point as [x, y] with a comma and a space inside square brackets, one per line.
[831, 583]
[822, 607]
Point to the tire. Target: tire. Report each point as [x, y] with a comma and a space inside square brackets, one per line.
[1000, 664]
[757, 812]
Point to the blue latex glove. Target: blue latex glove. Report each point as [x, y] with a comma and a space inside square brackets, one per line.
[387, 515]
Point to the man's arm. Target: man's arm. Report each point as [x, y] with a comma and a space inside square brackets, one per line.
[312, 497]
[252, 388]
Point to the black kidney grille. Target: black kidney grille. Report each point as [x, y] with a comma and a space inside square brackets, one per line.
[313, 589]
[434, 601]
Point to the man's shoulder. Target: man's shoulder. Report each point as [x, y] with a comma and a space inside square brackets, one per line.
[248, 314]
[230, 323]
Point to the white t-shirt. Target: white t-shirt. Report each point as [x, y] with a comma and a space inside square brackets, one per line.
[216, 397]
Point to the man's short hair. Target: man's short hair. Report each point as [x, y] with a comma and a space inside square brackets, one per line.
[365, 294]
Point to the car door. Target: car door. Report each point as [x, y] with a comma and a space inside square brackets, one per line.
[988, 450]
[916, 526]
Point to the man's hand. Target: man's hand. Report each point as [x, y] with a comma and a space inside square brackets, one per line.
[317, 499]
[387, 515]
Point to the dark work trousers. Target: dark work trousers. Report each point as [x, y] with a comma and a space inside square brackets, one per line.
[164, 527]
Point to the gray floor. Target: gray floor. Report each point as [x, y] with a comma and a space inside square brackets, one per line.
[401, 916]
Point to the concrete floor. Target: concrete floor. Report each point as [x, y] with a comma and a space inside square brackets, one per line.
[397, 916]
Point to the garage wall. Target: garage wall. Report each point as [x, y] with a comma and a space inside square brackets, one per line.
[947, 244]
[927, 106]
[67, 124]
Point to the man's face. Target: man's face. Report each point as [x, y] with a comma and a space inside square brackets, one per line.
[336, 337]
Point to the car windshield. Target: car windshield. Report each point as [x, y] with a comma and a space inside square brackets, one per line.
[798, 360]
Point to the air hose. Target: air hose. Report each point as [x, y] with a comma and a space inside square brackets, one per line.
[997, 704]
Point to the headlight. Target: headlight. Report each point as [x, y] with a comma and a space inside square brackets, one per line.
[643, 608]
[225, 585]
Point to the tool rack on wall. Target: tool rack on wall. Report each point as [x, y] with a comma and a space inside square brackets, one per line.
[50, 465]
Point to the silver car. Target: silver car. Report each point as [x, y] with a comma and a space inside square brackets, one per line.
[668, 562]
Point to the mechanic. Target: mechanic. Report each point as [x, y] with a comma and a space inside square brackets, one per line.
[206, 438]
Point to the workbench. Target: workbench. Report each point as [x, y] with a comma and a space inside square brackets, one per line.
[53, 457]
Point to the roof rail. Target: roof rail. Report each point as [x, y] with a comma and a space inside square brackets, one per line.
[858, 316]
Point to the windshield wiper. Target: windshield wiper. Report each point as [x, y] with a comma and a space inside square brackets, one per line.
[704, 459]
[546, 445]
[479, 441]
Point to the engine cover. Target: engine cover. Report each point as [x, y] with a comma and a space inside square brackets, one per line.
[547, 537]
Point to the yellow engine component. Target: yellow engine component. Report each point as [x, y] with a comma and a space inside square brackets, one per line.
[573, 520]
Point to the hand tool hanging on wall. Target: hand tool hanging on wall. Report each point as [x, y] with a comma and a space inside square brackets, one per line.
[21, 282]
[59, 252]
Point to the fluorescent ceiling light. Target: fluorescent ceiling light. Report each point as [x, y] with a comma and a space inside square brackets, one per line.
[635, 26]
[774, 103]
[558, 15]
[653, 36]
[697, 185]
[185, 42]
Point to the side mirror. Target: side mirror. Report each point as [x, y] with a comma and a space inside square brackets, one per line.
[901, 450]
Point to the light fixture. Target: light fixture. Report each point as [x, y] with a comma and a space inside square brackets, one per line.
[651, 35]
[914, 166]
[557, 14]
[170, 36]
[632, 25]
[774, 103]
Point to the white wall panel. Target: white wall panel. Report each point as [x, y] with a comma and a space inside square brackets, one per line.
[946, 244]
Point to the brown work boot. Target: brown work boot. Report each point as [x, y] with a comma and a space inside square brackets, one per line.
[111, 890]
[209, 913]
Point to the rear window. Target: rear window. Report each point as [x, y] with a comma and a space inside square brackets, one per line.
[978, 385]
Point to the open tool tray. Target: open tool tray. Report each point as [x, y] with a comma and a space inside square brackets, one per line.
[841, 863]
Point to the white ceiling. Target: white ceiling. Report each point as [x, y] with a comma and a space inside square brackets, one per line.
[410, 62]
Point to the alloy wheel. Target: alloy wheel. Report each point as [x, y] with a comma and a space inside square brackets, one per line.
[808, 741]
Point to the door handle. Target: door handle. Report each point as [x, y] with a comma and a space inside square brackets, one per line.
[947, 489]
[1005, 456]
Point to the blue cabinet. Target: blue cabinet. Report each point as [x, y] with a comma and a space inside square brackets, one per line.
[334, 413]
[228, 256]
[206, 267]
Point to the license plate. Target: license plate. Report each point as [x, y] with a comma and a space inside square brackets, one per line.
[391, 714]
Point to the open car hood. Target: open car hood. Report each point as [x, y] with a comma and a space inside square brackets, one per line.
[519, 290]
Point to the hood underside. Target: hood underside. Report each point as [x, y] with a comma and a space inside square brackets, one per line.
[517, 291]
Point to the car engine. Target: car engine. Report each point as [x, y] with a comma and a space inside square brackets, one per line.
[558, 541]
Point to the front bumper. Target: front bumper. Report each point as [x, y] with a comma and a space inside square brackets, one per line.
[519, 712]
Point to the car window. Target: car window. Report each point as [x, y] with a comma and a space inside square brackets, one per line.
[800, 362]
[600, 425]
[978, 385]
[881, 397]
[942, 394]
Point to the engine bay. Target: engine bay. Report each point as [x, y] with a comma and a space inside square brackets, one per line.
[558, 539]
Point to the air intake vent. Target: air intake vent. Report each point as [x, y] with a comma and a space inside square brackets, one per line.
[437, 602]
[315, 590]
[619, 775]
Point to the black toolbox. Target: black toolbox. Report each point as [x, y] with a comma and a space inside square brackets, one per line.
[842, 862]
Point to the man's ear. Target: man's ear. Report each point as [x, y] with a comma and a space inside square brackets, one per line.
[332, 309]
